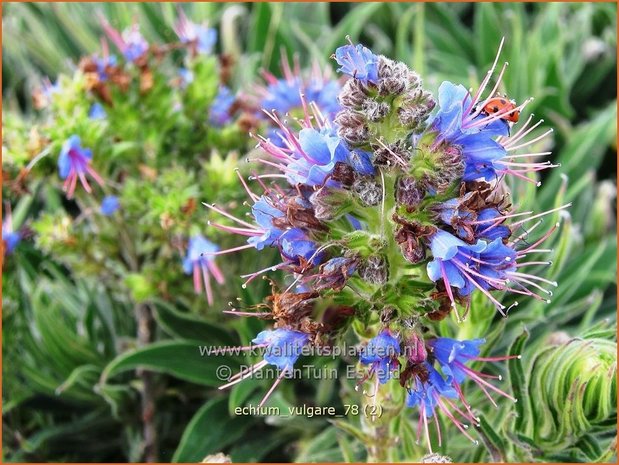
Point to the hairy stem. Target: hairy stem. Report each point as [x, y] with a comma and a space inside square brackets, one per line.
[144, 319]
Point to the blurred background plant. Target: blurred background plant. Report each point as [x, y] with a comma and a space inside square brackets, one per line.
[80, 286]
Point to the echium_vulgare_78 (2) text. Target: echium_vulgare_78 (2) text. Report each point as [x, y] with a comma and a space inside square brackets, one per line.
[389, 216]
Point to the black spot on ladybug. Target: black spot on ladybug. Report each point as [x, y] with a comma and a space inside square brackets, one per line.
[503, 101]
[495, 109]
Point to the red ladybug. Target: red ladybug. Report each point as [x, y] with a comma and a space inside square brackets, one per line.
[500, 104]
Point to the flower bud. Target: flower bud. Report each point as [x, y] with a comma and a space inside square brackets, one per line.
[408, 192]
[396, 154]
[369, 191]
[393, 77]
[352, 127]
[416, 349]
[331, 202]
[352, 94]
[375, 270]
[375, 111]
[335, 272]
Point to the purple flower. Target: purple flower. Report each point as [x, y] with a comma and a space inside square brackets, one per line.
[264, 213]
[361, 162]
[452, 357]
[484, 139]
[427, 395]
[285, 95]
[202, 37]
[96, 111]
[282, 348]
[357, 61]
[219, 113]
[103, 63]
[186, 77]
[201, 262]
[10, 238]
[73, 163]
[131, 43]
[381, 353]
[295, 245]
[476, 141]
[109, 205]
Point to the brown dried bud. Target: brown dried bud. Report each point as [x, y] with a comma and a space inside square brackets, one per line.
[343, 173]
[411, 238]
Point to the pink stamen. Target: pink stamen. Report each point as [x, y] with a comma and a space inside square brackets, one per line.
[474, 376]
[207, 284]
[252, 196]
[240, 231]
[234, 249]
[228, 215]
[214, 269]
[486, 79]
[528, 143]
[197, 283]
[277, 381]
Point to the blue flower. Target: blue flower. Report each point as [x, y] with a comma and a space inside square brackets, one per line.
[319, 153]
[489, 225]
[198, 252]
[131, 43]
[427, 394]
[450, 256]
[102, 64]
[470, 225]
[452, 354]
[201, 262]
[186, 77]
[295, 245]
[381, 353]
[361, 162]
[73, 163]
[283, 346]
[358, 61]
[264, 213]
[10, 238]
[96, 111]
[203, 37]
[284, 95]
[219, 113]
[477, 143]
[109, 205]
[465, 266]
[135, 45]
[452, 357]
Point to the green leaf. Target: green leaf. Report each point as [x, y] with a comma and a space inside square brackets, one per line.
[179, 359]
[518, 380]
[187, 326]
[493, 442]
[209, 431]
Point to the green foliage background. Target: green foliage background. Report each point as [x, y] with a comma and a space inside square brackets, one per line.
[69, 387]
